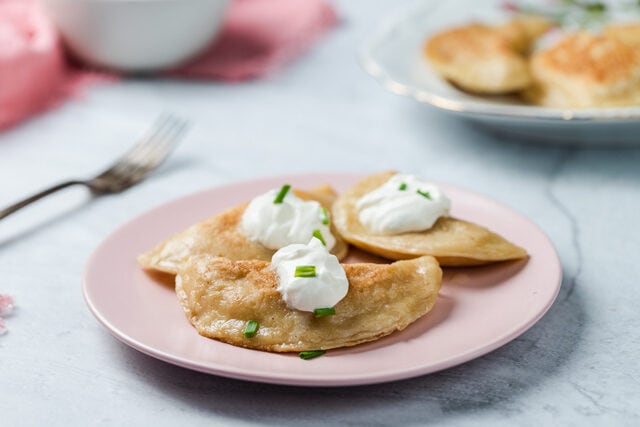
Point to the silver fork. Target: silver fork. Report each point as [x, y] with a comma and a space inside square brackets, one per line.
[154, 147]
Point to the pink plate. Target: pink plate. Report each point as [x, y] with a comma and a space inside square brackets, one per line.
[478, 310]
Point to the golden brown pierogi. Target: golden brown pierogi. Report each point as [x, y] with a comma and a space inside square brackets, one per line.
[582, 70]
[483, 58]
[453, 242]
[219, 296]
[588, 70]
[628, 33]
[219, 236]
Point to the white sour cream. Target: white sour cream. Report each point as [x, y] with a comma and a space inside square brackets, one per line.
[278, 225]
[324, 290]
[397, 206]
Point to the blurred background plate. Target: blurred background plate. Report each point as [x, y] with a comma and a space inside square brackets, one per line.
[393, 55]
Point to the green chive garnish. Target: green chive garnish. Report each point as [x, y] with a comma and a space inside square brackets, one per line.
[403, 186]
[424, 194]
[283, 192]
[305, 271]
[323, 312]
[318, 235]
[324, 215]
[306, 355]
[595, 7]
[251, 329]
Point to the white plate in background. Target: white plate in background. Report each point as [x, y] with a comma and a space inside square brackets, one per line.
[393, 55]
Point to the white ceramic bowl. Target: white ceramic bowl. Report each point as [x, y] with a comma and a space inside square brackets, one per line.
[136, 35]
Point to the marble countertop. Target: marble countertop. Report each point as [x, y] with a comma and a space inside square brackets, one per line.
[58, 366]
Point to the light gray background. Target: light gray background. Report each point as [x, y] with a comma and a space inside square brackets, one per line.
[58, 366]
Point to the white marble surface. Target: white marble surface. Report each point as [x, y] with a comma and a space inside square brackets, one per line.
[578, 366]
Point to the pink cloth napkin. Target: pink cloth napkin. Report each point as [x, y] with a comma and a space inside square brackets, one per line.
[32, 69]
[258, 37]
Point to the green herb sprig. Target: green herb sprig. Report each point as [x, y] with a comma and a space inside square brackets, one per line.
[305, 271]
[307, 355]
[250, 329]
[324, 312]
[318, 235]
[424, 194]
[584, 14]
[281, 194]
[324, 215]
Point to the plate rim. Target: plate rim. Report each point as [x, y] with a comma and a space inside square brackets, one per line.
[380, 73]
[297, 379]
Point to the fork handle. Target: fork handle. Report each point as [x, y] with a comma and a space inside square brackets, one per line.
[22, 203]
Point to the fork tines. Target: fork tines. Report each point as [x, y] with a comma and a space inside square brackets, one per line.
[155, 146]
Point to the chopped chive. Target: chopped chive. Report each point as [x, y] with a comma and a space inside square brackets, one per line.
[424, 194]
[306, 355]
[323, 312]
[324, 215]
[305, 271]
[318, 235]
[403, 186]
[251, 329]
[283, 192]
[595, 7]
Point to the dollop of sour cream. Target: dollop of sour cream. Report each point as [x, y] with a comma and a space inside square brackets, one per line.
[324, 290]
[402, 204]
[276, 225]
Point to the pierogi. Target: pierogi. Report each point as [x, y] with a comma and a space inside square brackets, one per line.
[220, 296]
[219, 235]
[551, 59]
[588, 70]
[453, 242]
[483, 58]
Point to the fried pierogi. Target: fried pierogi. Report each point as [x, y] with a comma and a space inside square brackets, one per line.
[219, 296]
[219, 235]
[453, 242]
[588, 70]
[627, 33]
[581, 70]
[523, 31]
[486, 59]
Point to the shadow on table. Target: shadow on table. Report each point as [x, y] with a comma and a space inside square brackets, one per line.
[10, 234]
[40, 217]
[490, 149]
[495, 381]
